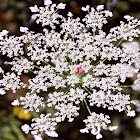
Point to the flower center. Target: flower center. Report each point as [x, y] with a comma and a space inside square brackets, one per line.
[79, 70]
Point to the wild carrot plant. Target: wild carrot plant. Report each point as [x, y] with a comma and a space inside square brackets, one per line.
[76, 62]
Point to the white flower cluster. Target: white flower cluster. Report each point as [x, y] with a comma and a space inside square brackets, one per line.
[21, 65]
[64, 103]
[31, 102]
[118, 101]
[131, 48]
[130, 54]
[44, 124]
[80, 63]
[10, 81]
[12, 46]
[96, 18]
[95, 122]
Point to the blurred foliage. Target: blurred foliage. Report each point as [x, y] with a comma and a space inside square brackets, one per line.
[16, 13]
[10, 126]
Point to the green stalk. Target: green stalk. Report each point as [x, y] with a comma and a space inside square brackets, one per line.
[87, 90]
[119, 42]
[31, 70]
[67, 90]
[125, 85]
[87, 107]
[36, 67]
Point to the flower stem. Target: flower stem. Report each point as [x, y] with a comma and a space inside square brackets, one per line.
[119, 42]
[87, 90]
[36, 67]
[87, 107]
[126, 85]
[98, 63]
[67, 90]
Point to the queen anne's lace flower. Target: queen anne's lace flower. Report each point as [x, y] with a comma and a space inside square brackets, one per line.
[76, 63]
[44, 124]
[11, 81]
[31, 102]
[95, 122]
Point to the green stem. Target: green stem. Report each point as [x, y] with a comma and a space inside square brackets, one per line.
[73, 39]
[31, 70]
[98, 63]
[87, 90]
[93, 34]
[36, 67]
[104, 77]
[52, 64]
[67, 90]
[87, 107]
[119, 42]
[59, 74]
[46, 62]
[125, 85]
[50, 86]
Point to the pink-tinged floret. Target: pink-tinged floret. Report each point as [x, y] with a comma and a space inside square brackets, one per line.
[80, 70]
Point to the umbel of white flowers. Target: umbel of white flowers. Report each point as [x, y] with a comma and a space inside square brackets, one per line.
[76, 63]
